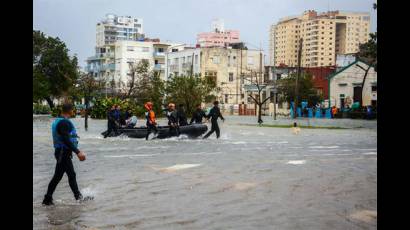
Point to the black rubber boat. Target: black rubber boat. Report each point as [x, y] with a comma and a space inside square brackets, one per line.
[192, 131]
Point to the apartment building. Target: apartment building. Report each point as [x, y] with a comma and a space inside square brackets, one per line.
[114, 28]
[323, 35]
[230, 67]
[218, 36]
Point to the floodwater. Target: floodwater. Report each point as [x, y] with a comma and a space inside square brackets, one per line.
[251, 178]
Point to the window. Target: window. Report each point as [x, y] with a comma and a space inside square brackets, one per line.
[230, 76]
[374, 88]
[160, 50]
[226, 98]
[174, 50]
[215, 60]
[183, 60]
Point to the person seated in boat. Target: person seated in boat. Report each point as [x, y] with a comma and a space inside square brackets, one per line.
[182, 120]
[198, 115]
[172, 119]
[132, 120]
[151, 122]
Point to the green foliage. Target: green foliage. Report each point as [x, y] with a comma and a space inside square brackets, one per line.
[305, 86]
[368, 51]
[54, 72]
[41, 109]
[190, 90]
[102, 105]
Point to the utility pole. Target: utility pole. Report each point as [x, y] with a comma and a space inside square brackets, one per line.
[192, 64]
[297, 79]
[241, 69]
[274, 105]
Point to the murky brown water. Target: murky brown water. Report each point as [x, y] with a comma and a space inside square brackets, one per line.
[251, 178]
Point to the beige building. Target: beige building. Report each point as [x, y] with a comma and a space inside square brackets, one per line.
[225, 64]
[324, 36]
[345, 85]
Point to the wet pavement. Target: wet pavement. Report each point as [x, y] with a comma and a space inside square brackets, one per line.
[250, 178]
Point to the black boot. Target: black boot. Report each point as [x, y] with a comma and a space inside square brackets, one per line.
[48, 200]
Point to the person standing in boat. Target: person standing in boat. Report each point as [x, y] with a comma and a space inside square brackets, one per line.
[197, 115]
[151, 122]
[65, 141]
[214, 114]
[172, 116]
[182, 120]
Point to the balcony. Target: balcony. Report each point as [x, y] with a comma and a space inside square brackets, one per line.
[186, 65]
[159, 67]
[159, 54]
[174, 68]
[107, 67]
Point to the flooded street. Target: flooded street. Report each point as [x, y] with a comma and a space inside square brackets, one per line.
[251, 178]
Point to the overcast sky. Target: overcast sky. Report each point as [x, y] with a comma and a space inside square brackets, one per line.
[74, 21]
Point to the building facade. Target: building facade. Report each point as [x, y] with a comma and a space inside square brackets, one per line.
[114, 28]
[345, 85]
[323, 36]
[218, 37]
[226, 65]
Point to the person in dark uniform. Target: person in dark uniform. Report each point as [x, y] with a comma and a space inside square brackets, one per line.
[65, 141]
[111, 126]
[182, 120]
[197, 115]
[214, 114]
[151, 121]
[118, 117]
[172, 116]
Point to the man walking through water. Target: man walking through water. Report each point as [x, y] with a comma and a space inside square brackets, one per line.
[65, 142]
[214, 114]
[151, 122]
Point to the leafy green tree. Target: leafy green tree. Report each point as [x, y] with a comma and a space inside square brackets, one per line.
[368, 54]
[88, 87]
[190, 90]
[54, 71]
[307, 91]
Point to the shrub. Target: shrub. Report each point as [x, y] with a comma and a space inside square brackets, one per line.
[41, 109]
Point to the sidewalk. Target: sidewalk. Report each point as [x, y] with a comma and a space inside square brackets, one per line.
[315, 122]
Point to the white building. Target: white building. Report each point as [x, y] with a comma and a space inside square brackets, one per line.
[179, 61]
[114, 28]
[343, 60]
[224, 64]
[345, 85]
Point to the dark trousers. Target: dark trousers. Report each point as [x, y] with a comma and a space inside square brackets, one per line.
[112, 127]
[214, 128]
[64, 165]
[151, 128]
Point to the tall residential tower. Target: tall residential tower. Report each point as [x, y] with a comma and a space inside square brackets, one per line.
[324, 36]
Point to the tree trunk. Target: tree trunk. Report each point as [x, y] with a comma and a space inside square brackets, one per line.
[364, 79]
[260, 113]
[86, 114]
[50, 102]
